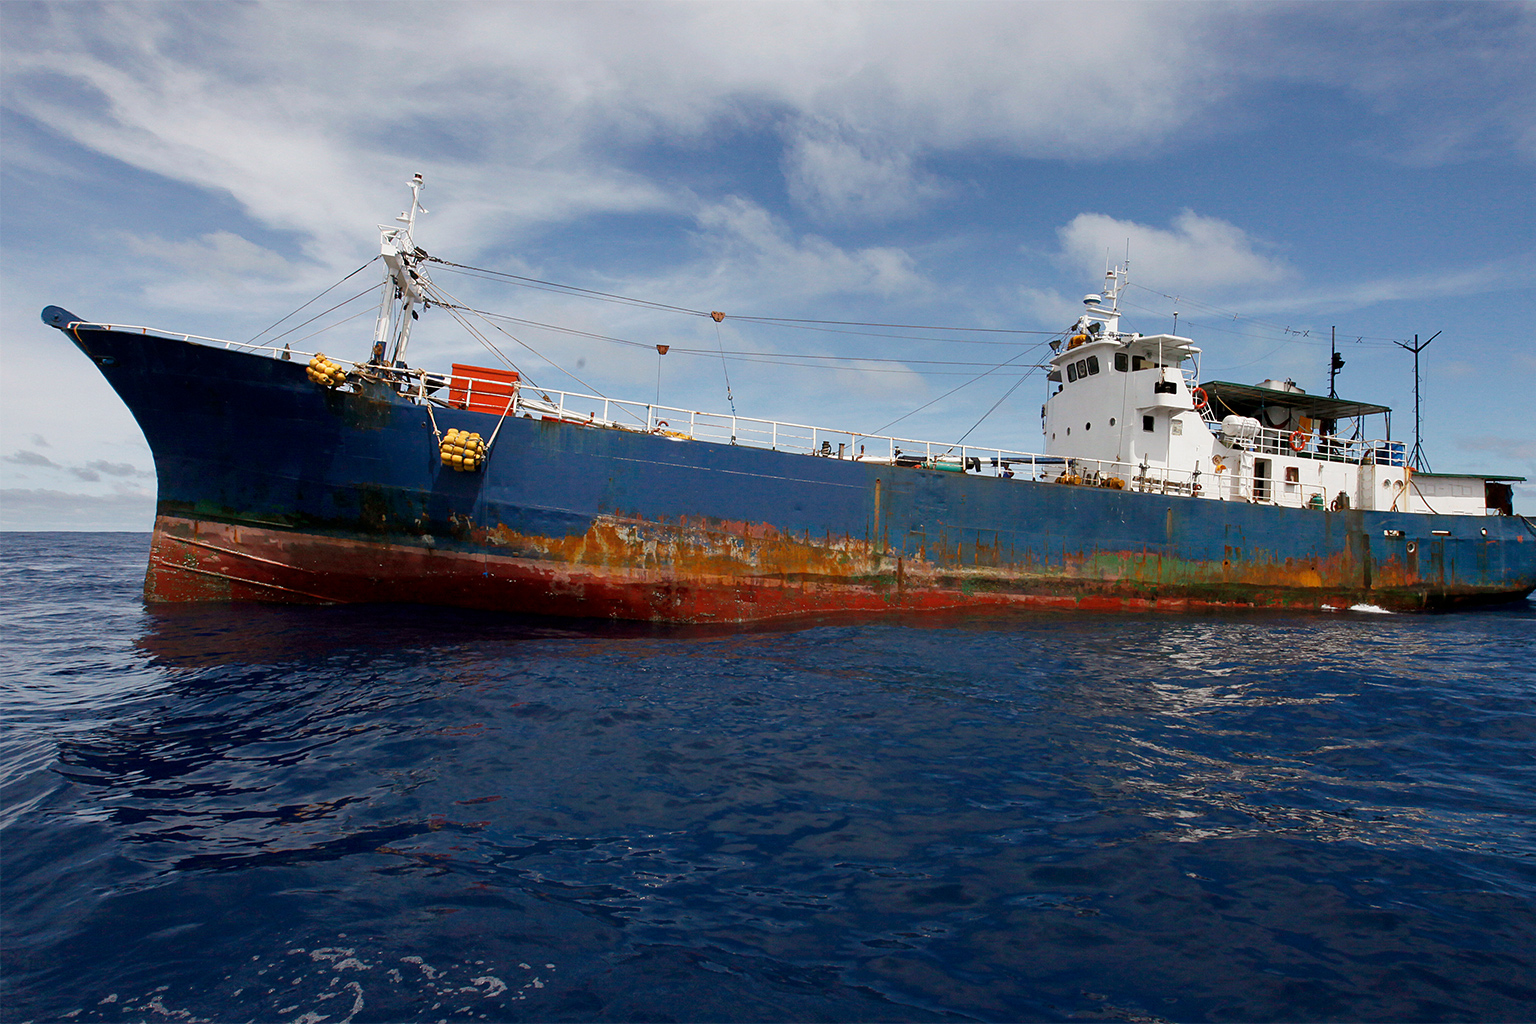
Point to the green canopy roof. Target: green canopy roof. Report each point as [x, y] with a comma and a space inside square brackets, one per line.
[1249, 399]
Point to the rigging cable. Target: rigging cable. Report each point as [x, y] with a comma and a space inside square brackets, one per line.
[951, 391]
[802, 322]
[775, 357]
[453, 307]
[362, 312]
[1006, 395]
[728, 396]
[552, 285]
[317, 298]
[1285, 328]
[789, 320]
[317, 316]
[454, 311]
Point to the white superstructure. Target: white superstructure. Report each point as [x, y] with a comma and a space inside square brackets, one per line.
[1130, 411]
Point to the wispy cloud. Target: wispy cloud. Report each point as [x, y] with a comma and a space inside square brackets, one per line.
[838, 178]
[221, 255]
[545, 98]
[30, 458]
[1197, 252]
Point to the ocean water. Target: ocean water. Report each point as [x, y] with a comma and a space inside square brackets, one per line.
[247, 813]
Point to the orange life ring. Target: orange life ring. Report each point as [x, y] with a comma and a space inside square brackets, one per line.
[661, 424]
[1299, 440]
[1200, 400]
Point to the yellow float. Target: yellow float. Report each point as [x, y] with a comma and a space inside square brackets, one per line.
[325, 372]
[462, 451]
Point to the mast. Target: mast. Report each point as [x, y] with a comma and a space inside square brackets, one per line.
[403, 282]
[1417, 459]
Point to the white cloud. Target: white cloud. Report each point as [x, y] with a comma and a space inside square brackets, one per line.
[842, 179]
[311, 115]
[1197, 253]
[1048, 306]
[1483, 279]
[744, 241]
[535, 103]
[1467, 93]
[222, 255]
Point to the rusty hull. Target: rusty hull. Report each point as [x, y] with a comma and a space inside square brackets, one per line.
[729, 572]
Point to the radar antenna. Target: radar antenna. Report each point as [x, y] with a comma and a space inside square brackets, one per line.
[1417, 460]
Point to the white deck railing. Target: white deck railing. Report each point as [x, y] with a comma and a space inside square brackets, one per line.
[1328, 448]
[838, 443]
[806, 439]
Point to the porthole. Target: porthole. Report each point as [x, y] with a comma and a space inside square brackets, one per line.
[1412, 547]
[1111, 421]
[1087, 426]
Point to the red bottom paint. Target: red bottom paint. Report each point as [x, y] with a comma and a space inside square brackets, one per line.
[193, 560]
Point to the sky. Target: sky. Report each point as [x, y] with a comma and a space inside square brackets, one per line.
[1273, 172]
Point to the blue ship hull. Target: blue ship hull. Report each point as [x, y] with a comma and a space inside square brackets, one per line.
[273, 488]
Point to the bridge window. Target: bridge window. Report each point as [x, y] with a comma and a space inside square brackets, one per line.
[1082, 368]
[1093, 364]
[1122, 362]
[1147, 423]
[1071, 372]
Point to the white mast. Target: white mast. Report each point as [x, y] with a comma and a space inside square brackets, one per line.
[403, 281]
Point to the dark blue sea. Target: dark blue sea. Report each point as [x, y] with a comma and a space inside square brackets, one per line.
[249, 813]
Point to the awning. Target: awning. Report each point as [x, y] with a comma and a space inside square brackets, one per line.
[1227, 398]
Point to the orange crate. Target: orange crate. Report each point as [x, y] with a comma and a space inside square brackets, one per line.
[482, 388]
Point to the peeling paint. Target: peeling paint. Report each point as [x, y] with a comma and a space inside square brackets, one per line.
[703, 572]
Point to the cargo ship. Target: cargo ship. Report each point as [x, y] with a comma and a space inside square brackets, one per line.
[296, 477]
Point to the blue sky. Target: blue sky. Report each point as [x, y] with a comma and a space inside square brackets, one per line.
[1275, 169]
